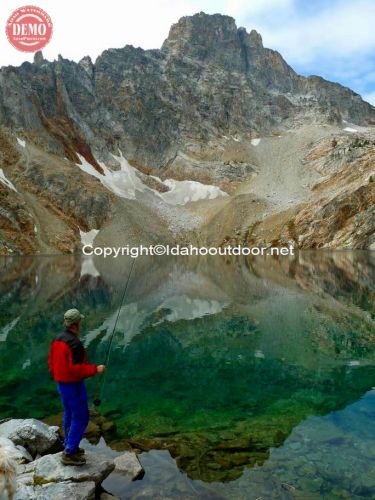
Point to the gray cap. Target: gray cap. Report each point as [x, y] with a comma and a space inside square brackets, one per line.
[72, 316]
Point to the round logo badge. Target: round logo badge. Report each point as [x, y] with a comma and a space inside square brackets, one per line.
[29, 28]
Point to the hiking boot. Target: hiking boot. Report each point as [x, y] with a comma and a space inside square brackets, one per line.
[72, 459]
[79, 451]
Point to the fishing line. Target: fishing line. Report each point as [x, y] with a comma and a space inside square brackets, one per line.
[100, 384]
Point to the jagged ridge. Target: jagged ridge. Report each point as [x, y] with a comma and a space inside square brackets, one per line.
[208, 79]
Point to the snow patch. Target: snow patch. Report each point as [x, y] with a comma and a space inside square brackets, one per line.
[6, 181]
[258, 354]
[26, 364]
[129, 323]
[181, 192]
[349, 129]
[126, 180]
[4, 332]
[126, 184]
[183, 307]
[88, 268]
[132, 318]
[89, 237]
[353, 363]
[21, 142]
[255, 142]
[156, 178]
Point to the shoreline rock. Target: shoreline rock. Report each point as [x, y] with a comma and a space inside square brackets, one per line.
[32, 434]
[45, 477]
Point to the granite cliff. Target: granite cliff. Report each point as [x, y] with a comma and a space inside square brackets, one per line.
[179, 144]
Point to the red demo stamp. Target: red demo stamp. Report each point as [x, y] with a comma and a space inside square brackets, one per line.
[29, 28]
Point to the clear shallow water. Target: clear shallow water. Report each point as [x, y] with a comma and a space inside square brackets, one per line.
[237, 379]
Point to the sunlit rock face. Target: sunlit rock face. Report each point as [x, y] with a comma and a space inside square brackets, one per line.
[198, 111]
[209, 78]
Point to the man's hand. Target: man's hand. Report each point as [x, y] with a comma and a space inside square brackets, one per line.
[100, 368]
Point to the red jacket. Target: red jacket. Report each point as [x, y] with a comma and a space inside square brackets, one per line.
[67, 359]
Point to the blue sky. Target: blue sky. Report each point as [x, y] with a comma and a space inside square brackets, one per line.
[331, 38]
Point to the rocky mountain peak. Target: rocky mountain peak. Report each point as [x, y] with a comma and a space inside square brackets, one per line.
[209, 79]
[38, 57]
[86, 64]
[215, 39]
[201, 24]
[201, 35]
[255, 39]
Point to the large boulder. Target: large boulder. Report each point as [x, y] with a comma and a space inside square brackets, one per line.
[35, 436]
[47, 478]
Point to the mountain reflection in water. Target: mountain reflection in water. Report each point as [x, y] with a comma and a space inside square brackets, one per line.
[233, 366]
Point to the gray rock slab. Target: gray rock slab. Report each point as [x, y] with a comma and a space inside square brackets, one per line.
[64, 491]
[24, 492]
[57, 491]
[49, 469]
[26, 479]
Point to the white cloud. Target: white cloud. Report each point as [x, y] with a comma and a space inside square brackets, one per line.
[256, 7]
[341, 31]
[335, 40]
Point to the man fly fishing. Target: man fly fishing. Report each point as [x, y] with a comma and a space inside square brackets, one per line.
[68, 365]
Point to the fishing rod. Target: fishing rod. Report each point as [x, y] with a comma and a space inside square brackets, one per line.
[100, 384]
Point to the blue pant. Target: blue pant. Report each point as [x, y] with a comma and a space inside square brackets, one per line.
[76, 413]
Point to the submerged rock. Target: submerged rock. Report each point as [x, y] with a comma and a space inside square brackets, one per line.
[129, 465]
[108, 496]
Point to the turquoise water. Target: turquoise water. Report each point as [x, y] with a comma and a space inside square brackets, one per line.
[235, 379]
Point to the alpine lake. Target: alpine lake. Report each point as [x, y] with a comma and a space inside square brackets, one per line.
[232, 378]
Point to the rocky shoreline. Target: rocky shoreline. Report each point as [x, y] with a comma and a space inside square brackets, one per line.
[36, 448]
